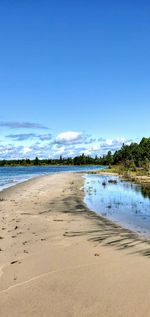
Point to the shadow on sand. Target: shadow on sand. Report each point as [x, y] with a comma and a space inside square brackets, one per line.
[105, 231]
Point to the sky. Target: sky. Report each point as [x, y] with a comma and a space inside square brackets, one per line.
[74, 76]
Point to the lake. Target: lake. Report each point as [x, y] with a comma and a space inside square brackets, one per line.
[121, 201]
[10, 176]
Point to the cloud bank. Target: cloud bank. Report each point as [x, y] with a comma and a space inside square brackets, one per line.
[67, 144]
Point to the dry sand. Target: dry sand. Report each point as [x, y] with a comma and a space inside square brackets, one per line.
[59, 259]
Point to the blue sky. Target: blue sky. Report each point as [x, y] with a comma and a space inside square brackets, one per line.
[74, 76]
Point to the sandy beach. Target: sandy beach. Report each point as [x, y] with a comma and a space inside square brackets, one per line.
[57, 258]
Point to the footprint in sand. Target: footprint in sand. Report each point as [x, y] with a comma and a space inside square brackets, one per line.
[25, 251]
[25, 242]
[58, 220]
[15, 261]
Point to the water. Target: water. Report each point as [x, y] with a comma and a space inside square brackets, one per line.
[121, 201]
[10, 176]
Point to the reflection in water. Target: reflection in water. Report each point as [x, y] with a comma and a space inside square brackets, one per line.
[145, 190]
[121, 201]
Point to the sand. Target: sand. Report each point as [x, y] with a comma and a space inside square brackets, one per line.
[57, 258]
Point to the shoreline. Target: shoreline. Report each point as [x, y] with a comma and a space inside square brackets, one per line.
[143, 180]
[56, 254]
[3, 194]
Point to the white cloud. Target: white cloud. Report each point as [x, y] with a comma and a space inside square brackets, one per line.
[27, 150]
[60, 150]
[68, 137]
[95, 147]
[108, 142]
[116, 141]
[86, 152]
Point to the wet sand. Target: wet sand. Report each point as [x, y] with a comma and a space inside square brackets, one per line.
[57, 258]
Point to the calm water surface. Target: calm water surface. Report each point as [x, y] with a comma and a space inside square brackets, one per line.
[10, 176]
[120, 201]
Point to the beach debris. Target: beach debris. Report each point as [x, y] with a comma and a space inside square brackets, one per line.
[112, 181]
[96, 254]
[13, 262]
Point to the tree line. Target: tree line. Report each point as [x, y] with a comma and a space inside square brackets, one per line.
[135, 155]
[78, 160]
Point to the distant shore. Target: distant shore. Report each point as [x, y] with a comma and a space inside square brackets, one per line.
[60, 259]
